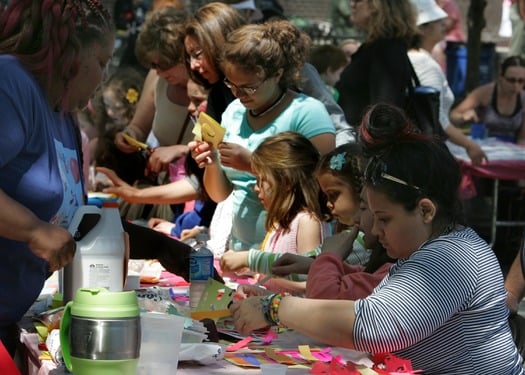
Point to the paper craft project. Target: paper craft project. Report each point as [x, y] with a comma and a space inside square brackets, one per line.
[134, 143]
[214, 301]
[208, 130]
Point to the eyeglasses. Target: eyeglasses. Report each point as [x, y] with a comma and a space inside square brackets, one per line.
[197, 56]
[513, 80]
[376, 171]
[243, 90]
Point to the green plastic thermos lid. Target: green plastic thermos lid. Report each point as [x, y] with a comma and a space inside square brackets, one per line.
[101, 303]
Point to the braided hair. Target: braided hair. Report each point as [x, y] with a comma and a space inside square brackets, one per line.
[46, 35]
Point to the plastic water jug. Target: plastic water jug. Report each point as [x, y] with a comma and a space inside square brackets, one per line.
[100, 333]
[102, 252]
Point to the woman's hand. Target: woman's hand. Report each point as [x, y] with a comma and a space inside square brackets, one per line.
[235, 156]
[161, 157]
[341, 243]
[247, 315]
[122, 145]
[203, 153]
[52, 243]
[161, 225]
[290, 263]
[469, 115]
[233, 261]
[475, 153]
[120, 187]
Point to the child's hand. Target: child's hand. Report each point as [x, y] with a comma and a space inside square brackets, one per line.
[190, 233]
[341, 243]
[291, 263]
[161, 225]
[246, 291]
[233, 261]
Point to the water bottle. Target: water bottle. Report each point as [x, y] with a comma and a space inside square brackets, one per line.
[201, 269]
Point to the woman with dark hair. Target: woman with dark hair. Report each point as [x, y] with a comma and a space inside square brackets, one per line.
[206, 35]
[379, 71]
[500, 105]
[53, 56]
[442, 304]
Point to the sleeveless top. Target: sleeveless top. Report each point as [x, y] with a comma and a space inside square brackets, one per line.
[502, 126]
[171, 124]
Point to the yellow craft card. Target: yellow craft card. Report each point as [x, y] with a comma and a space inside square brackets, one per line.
[211, 130]
[134, 143]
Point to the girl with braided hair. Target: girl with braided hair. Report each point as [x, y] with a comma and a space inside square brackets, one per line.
[53, 55]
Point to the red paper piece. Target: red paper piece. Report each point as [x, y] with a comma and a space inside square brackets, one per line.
[334, 368]
[389, 364]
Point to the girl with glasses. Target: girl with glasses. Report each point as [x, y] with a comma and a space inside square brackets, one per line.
[500, 105]
[260, 70]
[442, 304]
[206, 34]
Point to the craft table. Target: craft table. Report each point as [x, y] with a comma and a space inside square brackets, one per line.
[506, 161]
[287, 340]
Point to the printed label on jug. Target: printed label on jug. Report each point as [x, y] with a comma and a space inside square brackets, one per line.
[99, 275]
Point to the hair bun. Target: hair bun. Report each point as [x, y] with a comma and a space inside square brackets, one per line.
[383, 125]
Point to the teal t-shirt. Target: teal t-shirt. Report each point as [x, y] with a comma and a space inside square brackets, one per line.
[304, 115]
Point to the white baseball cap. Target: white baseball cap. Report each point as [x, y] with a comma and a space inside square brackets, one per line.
[248, 4]
[428, 11]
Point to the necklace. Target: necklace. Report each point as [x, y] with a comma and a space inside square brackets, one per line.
[275, 104]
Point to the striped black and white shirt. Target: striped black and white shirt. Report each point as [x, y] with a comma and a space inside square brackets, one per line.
[444, 309]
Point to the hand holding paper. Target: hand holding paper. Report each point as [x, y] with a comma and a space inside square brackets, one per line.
[208, 130]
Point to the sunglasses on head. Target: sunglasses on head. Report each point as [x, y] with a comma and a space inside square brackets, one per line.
[376, 173]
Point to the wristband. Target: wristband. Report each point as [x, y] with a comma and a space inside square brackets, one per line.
[270, 307]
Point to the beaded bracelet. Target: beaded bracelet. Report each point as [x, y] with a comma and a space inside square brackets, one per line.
[270, 307]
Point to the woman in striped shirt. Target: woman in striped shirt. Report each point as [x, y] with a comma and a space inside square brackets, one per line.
[442, 305]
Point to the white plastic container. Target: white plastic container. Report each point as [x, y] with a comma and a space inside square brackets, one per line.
[160, 343]
[101, 256]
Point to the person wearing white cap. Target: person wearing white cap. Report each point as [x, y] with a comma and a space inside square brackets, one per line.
[430, 20]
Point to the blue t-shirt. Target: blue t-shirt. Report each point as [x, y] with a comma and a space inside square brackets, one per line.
[304, 115]
[40, 169]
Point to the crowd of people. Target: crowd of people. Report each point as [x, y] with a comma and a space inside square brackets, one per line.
[321, 186]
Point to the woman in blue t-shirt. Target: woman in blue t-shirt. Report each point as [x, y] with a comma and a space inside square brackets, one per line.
[52, 57]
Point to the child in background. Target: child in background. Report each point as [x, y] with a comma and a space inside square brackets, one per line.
[113, 107]
[187, 189]
[329, 60]
[284, 165]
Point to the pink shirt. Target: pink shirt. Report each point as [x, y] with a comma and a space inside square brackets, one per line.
[331, 278]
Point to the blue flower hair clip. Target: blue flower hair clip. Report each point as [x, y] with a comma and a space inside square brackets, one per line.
[337, 161]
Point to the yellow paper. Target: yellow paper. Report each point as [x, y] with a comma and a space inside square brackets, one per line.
[134, 143]
[211, 130]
